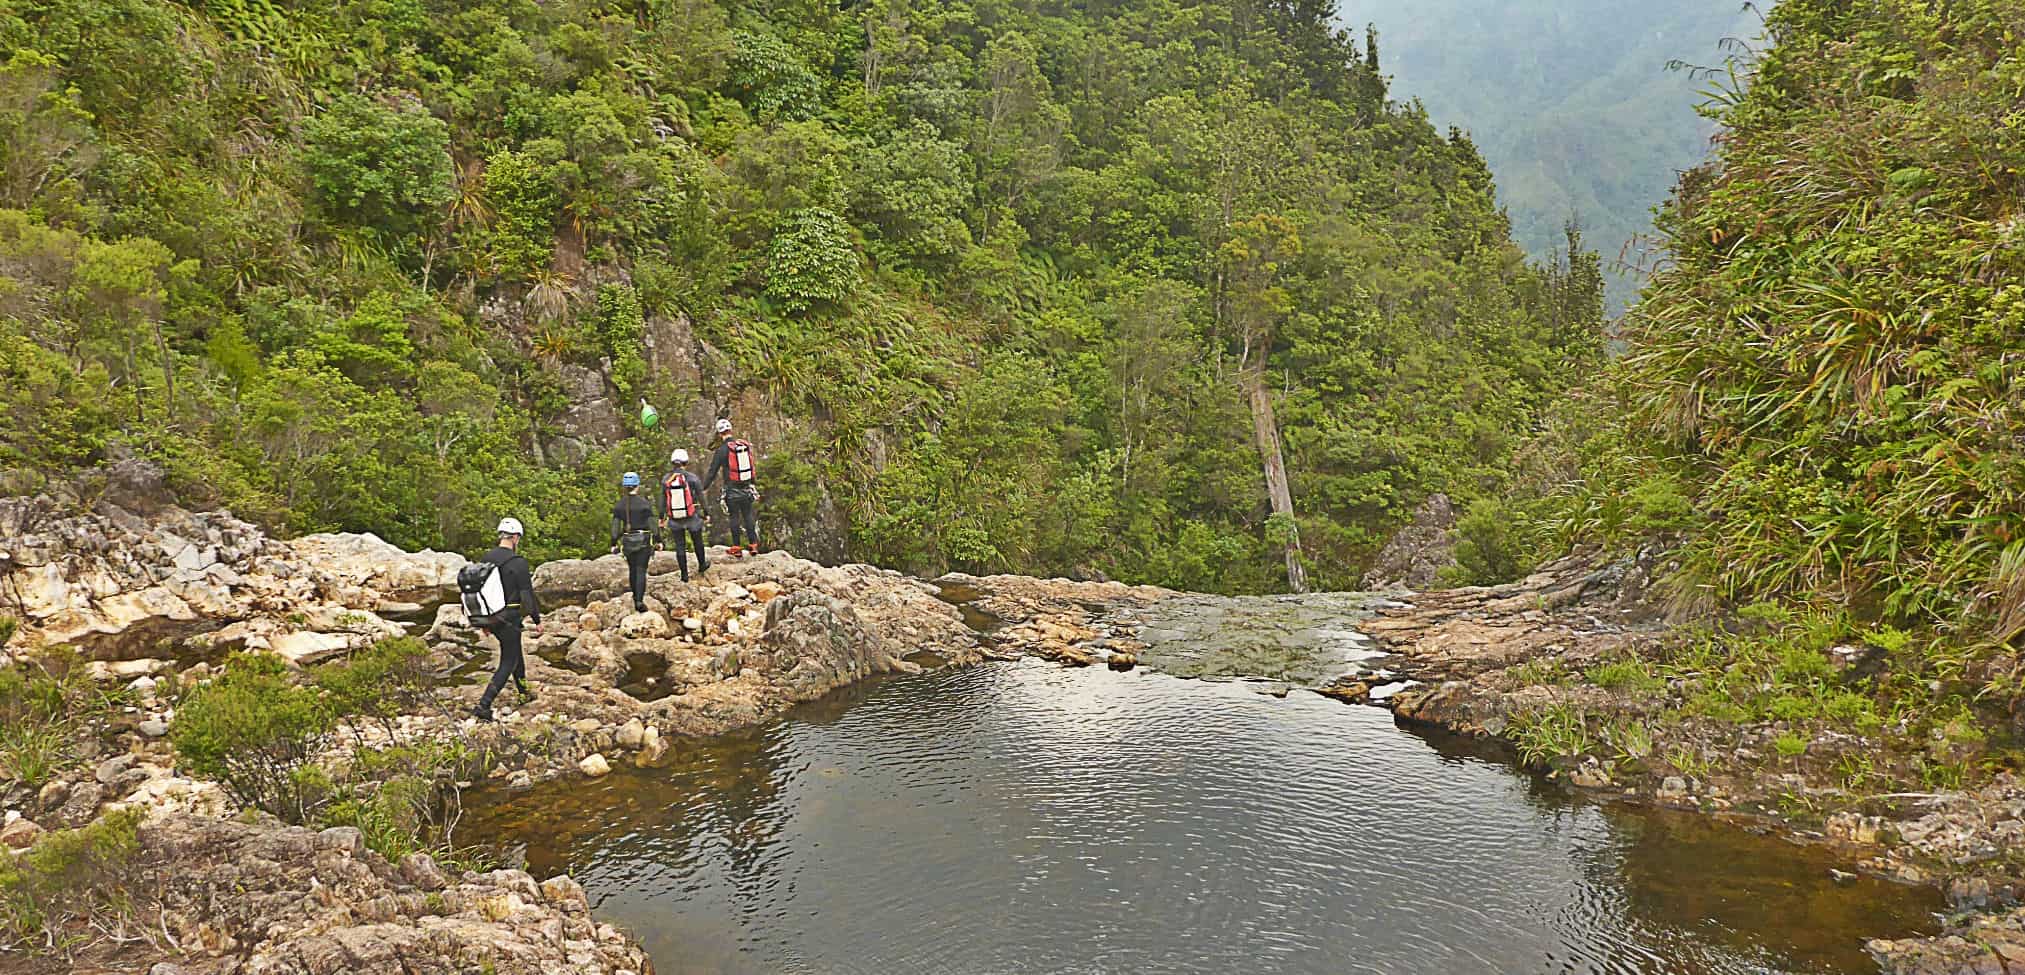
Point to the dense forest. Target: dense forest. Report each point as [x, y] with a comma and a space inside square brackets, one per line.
[1583, 109]
[1823, 398]
[1169, 290]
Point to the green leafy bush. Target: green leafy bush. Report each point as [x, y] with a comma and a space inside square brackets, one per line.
[258, 733]
[379, 165]
[68, 877]
[811, 262]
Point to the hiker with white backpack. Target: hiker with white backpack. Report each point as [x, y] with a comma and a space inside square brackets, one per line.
[682, 512]
[734, 460]
[498, 592]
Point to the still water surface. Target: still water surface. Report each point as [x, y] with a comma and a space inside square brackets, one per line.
[1021, 818]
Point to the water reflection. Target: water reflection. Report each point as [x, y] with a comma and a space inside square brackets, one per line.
[1021, 818]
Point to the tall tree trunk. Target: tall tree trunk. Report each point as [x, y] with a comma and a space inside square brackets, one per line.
[168, 371]
[1266, 430]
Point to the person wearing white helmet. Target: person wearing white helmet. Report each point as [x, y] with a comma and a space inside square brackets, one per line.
[734, 459]
[682, 512]
[518, 579]
[633, 531]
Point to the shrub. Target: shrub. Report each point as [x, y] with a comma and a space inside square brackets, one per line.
[810, 261]
[254, 730]
[378, 165]
[379, 683]
[69, 876]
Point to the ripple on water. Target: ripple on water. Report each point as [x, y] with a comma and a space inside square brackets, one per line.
[1027, 819]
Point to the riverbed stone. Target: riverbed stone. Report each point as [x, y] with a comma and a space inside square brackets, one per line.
[594, 765]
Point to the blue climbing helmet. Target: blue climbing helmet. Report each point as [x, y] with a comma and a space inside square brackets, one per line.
[630, 480]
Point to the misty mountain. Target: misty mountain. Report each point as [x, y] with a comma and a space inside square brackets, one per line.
[1570, 101]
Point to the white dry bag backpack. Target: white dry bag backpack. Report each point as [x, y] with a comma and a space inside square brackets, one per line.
[484, 592]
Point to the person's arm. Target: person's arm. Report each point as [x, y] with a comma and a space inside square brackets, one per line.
[618, 521]
[529, 605]
[718, 461]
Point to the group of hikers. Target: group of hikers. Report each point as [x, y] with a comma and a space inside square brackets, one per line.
[498, 589]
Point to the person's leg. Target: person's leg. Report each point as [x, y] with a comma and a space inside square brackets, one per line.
[511, 665]
[681, 553]
[752, 524]
[702, 560]
[740, 510]
[636, 571]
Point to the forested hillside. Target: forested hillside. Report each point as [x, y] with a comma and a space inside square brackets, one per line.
[1572, 103]
[996, 285]
[1825, 385]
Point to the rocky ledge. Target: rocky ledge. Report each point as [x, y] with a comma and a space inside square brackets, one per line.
[228, 898]
[130, 591]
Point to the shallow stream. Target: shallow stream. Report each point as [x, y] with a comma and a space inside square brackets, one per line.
[1024, 818]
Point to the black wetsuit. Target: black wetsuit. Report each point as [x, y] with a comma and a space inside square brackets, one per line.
[517, 580]
[634, 513]
[739, 499]
[689, 528]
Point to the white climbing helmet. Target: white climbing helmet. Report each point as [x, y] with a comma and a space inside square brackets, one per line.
[680, 456]
[723, 426]
[510, 526]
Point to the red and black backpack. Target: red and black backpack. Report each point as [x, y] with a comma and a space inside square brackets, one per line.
[739, 467]
[681, 502]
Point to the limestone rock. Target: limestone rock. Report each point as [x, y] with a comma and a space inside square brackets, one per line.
[368, 562]
[641, 626]
[594, 765]
[20, 834]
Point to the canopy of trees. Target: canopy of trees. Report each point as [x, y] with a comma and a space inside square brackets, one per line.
[1018, 276]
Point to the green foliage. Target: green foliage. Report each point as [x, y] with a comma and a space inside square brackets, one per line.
[1553, 733]
[378, 165]
[45, 708]
[70, 876]
[263, 734]
[771, 79]
[991, 272]
[1835, 374]
[810, 263]
[256, 732]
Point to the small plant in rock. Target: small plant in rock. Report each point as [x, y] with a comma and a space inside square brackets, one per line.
[1632, 739]
[1542, 671]
[69, 878]
[1628, 674]
[1557, 732]
[1690, 762]
[1791, 744]
[8, 627]
[44, 707]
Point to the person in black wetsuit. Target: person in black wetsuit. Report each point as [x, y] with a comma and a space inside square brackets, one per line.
[734, 462]
[633, 532]
[517, 579]
[682, 512]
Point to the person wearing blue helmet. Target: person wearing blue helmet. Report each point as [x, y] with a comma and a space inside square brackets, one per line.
[633, 521]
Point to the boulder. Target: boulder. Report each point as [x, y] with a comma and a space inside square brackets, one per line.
[19, 834]
[305, 648]
[643, 626]
[370, 563]
[594, 765]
